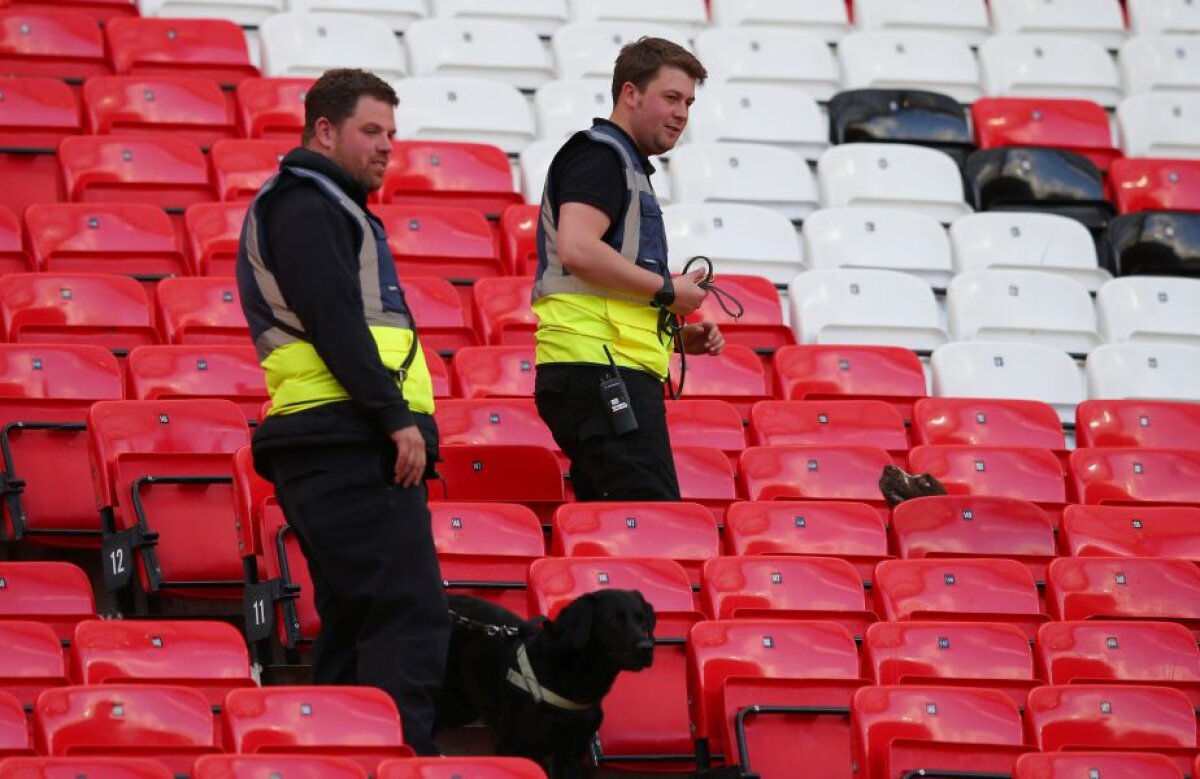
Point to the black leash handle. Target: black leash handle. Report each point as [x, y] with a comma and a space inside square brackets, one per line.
[672, 326]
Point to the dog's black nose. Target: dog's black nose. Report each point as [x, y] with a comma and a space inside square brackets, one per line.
[646, 645]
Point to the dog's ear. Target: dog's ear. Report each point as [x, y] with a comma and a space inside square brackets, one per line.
[574, 622]
[648, 610]
[891, 485]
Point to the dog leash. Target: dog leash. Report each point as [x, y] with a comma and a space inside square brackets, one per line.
[672, 326]
[486, 628]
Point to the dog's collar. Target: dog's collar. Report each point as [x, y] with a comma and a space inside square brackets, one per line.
[523, 678]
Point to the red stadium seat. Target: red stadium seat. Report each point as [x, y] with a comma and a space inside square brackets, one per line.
[518, 238]
[825, 422]
[47, 390]
[501, 310]
[133, 239]
[760, 325]
[705, 477]
[92, 767]
[735, 376]
[701, 422]
[14, 730]
[469, 175]
[77, 308]
[647, 713]
[516, 473]
[1141, 588]
[257, 766]
[1035, 475]
[984, 654]
[441, 378]
[438, 312]
[207, 656]
[914, 730]
[201, 311]
[484, 549]
[1113, 717]
[493, 372]
[1107, 651]
[207, 48]
[13, 257]
[1155, 185]
[33, 660]
[98, 10]
[823, 528]
[54, 593]
[213, 234]
[814, 473]
[816, 372]
[785, 587]
[35, 114]
[272, 107]
[975, 526]
[167, 172]
[1117, 765]
[241, 167]
[51, 42]
[285, 583]
[168, 723]
[445, 240]
[449, 766]
[779, 689]
[1133, 475]
[987, 422]
[1080, 126]
[198, 371]
[1132, 531]
[683, 532]
[162, 476]
[492, 421]
[360, 723]
[149, 106]
[964, 590]
[1157, 423]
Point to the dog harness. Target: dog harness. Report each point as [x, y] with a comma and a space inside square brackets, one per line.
[523, 678]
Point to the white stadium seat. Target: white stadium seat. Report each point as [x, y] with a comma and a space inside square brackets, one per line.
[964, 19]
[1028, 241]
[464, 109]
[869, 307]
[541, 16]
[1163, 17]
[1160, 124]
[880, 238]
[535, 162]
[690, 15]
[247, 13]
[1161, 63]
[1022, 305]
[748, 240]
[1048, 66]
[308, 44]
[824, 18]
[761, 55]
[743, 173]
[397, 15]
[1161, 309]
[892, 175]
[904, 59]
[1101, 21]
[1020, 371]
[478, 48]
[567, 106]
[589, 49]
[1149, 371]
[758, 113]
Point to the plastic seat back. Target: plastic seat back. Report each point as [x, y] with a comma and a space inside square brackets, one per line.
[492, 421]
[772, 56]
[37, 113]
[1102, 22]
[1132, 531]
[738, 237]
[167, 172]
[1004, 369]
[518, 238]
[1149, 18]
[966, 21]
[892, 175]
[988, 422]
[501, 310]
[495, 49]
[1026, 473]
[1149, 308]
[1080, 126]
[198, 311]
[179, 106]
[1048, 65]
[588, 49]
[57, 594]
[881, 239]
[887, 373]
[711, 423]
[748, 173]
[202, 371]
[517, 473]
[1155, 185]
[251, 766]
[241, 167]
[1027, 240]
[214, 49]
[819, 422]
[93, 766]
[79, 308]
[735, 376]
[213, 232]
[469, 108]
[908, 59]
[1030, 178]
[816, 472]
[1134, 475]
[272, 107]
[56, 43]
[776, 114]
[133, 239]
[1064, 765]
[1158, 63]
[1140, 588]
[487, 542]
[471, 175]
[1022, 306]
[33, 660]
[901, 116]
[448, 241]
[1152, 423]
[494, 372]
[1093, 716]
[1151, 371]
[482, 767]
[825, 18]
[1151, 125]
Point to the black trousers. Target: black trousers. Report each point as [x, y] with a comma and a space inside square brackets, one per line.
[604, 465]
[378, 589]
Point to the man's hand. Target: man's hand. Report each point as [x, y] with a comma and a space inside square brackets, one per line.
[703, 338]
[688, 293]
[410, 455]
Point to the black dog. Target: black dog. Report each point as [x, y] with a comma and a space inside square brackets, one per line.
[539, 684]
[898, 486]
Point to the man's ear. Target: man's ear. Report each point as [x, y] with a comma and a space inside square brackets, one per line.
[574, 622]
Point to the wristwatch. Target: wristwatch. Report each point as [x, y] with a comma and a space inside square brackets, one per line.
[665, 297]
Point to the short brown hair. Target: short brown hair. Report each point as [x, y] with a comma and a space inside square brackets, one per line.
[335, 96]
[639, 62]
